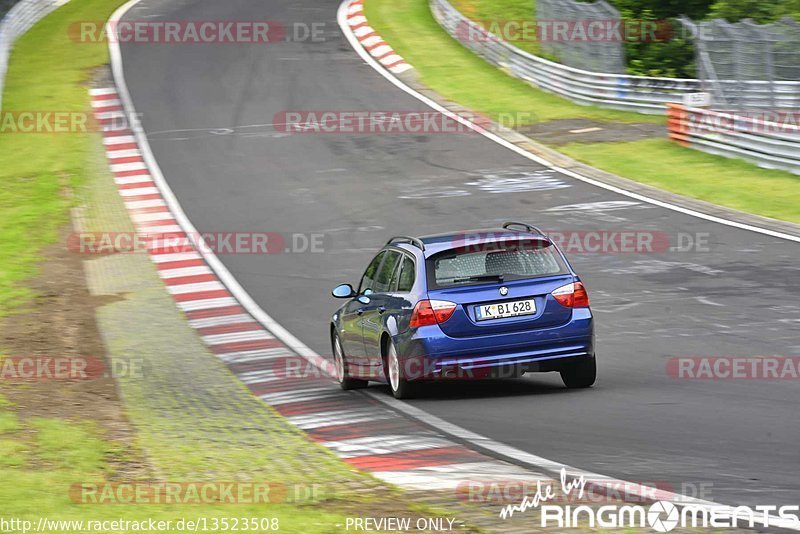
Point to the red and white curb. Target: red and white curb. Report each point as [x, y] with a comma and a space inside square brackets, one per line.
[371, 41]
[362, 431]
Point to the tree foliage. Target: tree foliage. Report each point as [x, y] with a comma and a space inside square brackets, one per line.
[760, 11]
[674, 57]
[663, 9]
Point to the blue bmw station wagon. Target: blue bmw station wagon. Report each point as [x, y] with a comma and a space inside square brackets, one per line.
[473, 304]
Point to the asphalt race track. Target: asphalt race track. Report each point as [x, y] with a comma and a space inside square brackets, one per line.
[208, 112]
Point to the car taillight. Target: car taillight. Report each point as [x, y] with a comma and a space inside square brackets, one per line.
[572, 296]
[428, 312]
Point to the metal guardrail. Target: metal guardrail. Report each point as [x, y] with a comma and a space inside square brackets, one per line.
[618, 91]
[767, 144]
[15, 23]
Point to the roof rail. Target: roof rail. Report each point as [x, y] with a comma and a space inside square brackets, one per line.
[417, 242]
[528, 227]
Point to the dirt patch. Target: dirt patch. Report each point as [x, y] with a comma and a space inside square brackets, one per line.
[563, 131]
[59, 322]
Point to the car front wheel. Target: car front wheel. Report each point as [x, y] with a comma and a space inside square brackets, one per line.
[342, 373]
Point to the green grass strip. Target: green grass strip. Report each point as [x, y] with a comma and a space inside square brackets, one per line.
[39, 171]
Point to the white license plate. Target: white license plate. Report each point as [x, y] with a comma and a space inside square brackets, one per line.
[501, 310]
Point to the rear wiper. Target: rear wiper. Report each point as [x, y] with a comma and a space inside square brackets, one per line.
[480, 278]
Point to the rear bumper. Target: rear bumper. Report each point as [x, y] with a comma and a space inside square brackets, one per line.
[428, 353]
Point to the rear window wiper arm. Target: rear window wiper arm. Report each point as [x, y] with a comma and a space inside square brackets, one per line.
[480, 278]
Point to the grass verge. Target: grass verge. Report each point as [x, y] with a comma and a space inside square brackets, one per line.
[41, 459]
[194, 422]
[462, 77]
[47, 72]
[729, 182]
[458, 74]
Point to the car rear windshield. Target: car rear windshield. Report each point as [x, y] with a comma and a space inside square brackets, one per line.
[495, 262]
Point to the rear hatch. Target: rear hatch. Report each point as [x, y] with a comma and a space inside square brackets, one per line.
[465, 322]
[499, 288]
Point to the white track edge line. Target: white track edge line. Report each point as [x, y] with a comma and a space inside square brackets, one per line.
[244, 299]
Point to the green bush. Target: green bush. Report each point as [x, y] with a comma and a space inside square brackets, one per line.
[675, 57]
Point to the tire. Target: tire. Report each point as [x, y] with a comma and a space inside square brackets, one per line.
[400, 387]
[342, 373]
[581, 374]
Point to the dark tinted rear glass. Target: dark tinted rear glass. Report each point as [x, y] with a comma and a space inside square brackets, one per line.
[406, 276]
[512, 261]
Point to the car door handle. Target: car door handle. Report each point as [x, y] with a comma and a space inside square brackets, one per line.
[381, 309]
[360, 311]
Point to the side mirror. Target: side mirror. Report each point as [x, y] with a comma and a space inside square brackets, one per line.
[344, 291]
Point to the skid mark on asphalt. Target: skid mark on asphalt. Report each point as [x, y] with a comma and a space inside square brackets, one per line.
[251, 130]
[433, 192]
[660, 266]
[707, 301]
[487, 181]
[615, 309]
[520, 181]
[599, 211]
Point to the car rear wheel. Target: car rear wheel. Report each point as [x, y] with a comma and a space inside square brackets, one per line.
[581, 374]
[401, 388]
[342, 373]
